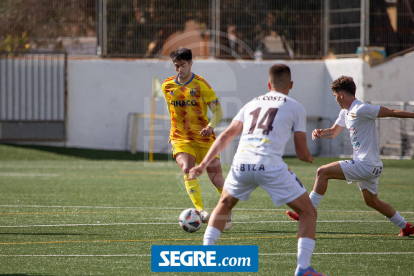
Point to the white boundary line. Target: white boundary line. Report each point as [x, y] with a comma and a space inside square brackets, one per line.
[12, 174]
[260, 254]
[173, 223]
[178, 208]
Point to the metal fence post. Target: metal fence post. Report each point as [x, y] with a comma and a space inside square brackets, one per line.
[363, 27]
[99, 27]
[213, 28]
[326, 22]
[367, 14]
[105, 28]
[217, 29]
[102, 28]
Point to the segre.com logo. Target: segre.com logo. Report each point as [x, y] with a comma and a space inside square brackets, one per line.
[199, 258]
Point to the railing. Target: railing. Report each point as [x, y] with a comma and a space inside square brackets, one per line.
[33, 96]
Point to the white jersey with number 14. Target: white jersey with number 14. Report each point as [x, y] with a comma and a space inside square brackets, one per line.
[268, 123]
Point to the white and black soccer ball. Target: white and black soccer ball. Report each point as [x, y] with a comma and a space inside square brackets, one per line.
[190, 220]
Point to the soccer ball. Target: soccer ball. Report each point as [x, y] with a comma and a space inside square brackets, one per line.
[190, 220]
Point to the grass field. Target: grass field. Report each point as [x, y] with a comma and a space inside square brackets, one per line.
[86, 212]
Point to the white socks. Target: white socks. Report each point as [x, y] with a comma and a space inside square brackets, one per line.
[315, 198]
[398, 220]
[211, 235]
[305, 250]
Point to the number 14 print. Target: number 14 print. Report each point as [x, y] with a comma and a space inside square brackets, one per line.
[269, 117]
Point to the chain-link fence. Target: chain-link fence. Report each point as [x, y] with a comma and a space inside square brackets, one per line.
[48, 25]
[344, 27]
[229, 29]
[216, 28]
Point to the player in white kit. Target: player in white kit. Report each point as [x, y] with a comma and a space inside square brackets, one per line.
[266, 123]
[366, 166]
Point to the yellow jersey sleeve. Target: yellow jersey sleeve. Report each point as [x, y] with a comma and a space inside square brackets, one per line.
[165, 97]
[207, 93]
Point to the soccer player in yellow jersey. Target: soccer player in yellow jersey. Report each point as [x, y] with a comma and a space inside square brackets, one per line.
[188, 95]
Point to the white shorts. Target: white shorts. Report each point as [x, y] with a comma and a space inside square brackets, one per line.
[282, 185]
[365, 175]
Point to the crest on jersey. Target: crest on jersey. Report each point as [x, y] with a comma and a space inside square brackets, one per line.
[193, 91]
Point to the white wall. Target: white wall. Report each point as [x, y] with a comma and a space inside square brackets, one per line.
[102, 92]
[391, 81]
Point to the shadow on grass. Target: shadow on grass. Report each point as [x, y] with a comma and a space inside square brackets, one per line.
[50, 234]
[27, 152]
[26, 274]
[20, 274]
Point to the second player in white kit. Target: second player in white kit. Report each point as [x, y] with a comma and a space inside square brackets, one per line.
[366, 165]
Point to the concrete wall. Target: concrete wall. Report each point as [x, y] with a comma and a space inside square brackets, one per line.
[102, 92]
[391, 81]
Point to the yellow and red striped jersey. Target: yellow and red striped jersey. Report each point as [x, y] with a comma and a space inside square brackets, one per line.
[187, 104]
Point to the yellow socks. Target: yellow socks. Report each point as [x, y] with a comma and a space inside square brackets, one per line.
[194, 191]
[219, 190]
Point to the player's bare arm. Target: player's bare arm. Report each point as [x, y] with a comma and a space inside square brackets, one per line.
[328, 133]
[301, 147]
[218, 146]
[387, 112]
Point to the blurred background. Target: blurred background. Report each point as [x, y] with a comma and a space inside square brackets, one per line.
[80, 73]
[149, 28]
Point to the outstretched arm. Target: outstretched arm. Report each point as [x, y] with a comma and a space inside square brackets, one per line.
[387, 112]
[328, 133]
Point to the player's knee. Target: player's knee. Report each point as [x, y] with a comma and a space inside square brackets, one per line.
[321, 172]
[311, 212]
[215, 162]
[371, 203]
[185, 169]
[217, 179]
[226, 202]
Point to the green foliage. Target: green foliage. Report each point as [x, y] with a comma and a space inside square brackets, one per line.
[43, 21]
[15, 43]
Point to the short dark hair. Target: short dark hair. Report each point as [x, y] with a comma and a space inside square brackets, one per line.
[279, 76]
[181, 54]
[344, 84]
